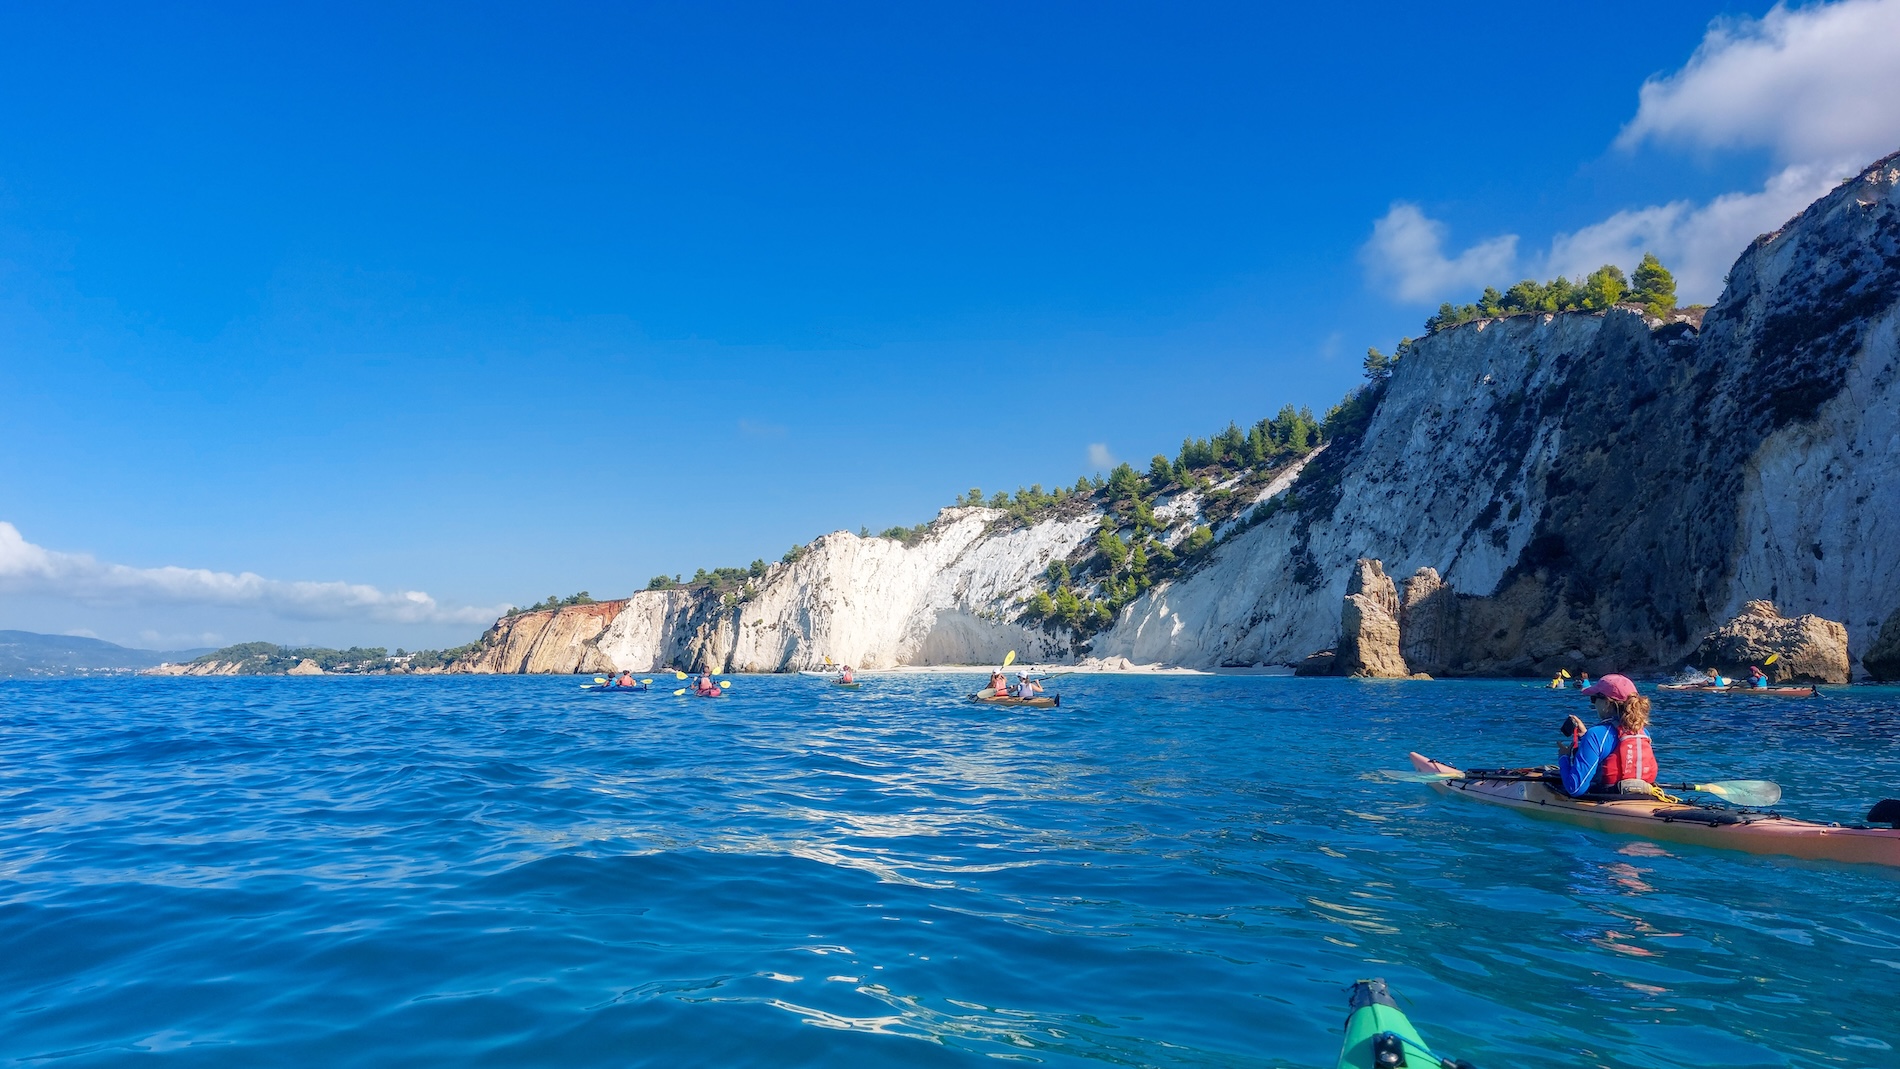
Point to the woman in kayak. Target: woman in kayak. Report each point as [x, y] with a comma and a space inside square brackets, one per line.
[1025, 687]
[705, 687]
[1756, 677]
[1615, 756]
[999, 684]
[846, 676]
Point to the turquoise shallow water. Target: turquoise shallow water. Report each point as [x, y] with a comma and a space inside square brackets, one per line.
[1167, 871]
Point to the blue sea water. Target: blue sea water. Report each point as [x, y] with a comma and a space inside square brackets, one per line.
[1169, 871]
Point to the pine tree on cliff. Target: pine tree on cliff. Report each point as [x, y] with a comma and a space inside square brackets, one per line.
[1655, 287]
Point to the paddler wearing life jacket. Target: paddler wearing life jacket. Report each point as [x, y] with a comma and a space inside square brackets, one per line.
[999, 684]
[705, 687]
[1615, 756]
[1025, 687]
[846, 676]
[1757, 678]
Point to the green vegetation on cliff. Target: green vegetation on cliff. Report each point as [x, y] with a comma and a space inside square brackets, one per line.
[1652, 286]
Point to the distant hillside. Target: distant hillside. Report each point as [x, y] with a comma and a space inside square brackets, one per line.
[26, 653]
[270, 659]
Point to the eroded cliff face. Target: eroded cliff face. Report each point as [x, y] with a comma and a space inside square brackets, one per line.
[1590, 490]
[1601, 490]
[953, 597]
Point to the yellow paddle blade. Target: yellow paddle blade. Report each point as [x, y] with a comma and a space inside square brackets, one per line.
[1564, 672]
[1772, 658]
[1009, 659]
[648, 682]
[827, 660]
[677, 674]
[725, 683]
[678, 693]
[597, 679]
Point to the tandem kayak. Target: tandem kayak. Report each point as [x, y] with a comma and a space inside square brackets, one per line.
[848, 686]
[1697, 824]
[1378, 1035]
[990, 697]
[598, 688]
[1764, 692]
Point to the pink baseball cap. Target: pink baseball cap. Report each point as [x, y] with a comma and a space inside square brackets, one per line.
[1614, 687]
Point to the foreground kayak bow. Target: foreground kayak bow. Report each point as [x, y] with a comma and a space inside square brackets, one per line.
[1379, 1037]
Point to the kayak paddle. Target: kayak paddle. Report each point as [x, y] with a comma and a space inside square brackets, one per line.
[1750, 793]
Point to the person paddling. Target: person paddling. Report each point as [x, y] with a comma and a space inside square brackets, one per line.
[625, 680]
[1025, 687]
[999, 684]
[846, 676]
[705, 687]
[1615, 756]
[1718, 680]
[1757, 678]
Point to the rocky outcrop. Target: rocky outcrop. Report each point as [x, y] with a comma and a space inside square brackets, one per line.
[1882, 659]
[304, 667]
[1369, 625]
[1806, 649]
[1429, 630]
[1583, 491]
[548, 640]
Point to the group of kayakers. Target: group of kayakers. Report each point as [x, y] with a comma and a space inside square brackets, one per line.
[1757, 678]
[1024, 687]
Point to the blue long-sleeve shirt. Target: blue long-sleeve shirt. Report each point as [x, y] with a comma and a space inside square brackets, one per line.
[1580, 769]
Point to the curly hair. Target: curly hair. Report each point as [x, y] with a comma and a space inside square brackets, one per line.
[1632, 713]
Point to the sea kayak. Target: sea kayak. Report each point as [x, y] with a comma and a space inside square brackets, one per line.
[848, 686]
[990, 697]
[1378, 1036]
[599, 688]
[1764, 692]
[1697, 824]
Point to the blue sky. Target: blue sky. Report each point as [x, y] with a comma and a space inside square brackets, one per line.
[495, 302]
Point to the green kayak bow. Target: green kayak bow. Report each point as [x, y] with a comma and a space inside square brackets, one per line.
[1379, 1037]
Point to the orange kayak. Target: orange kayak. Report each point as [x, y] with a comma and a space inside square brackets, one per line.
[1752, 830]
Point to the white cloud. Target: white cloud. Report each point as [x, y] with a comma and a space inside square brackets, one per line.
[1099, 456]
[1406, 257]
[1697, 242]
[1817, 86]
[30, 569]
[1809, 84]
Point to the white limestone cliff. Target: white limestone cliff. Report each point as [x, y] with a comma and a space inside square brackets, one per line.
[1595, 490]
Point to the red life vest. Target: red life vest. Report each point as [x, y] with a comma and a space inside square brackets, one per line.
[1632, 759]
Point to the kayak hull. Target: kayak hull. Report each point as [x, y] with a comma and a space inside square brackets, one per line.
[1045, 702]
[602, 688]
[1374, 1014]
[1757, 692]
[1677, 822]
[847, 686]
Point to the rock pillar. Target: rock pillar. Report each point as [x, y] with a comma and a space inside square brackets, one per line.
[1807, 648]
[1369, 625]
